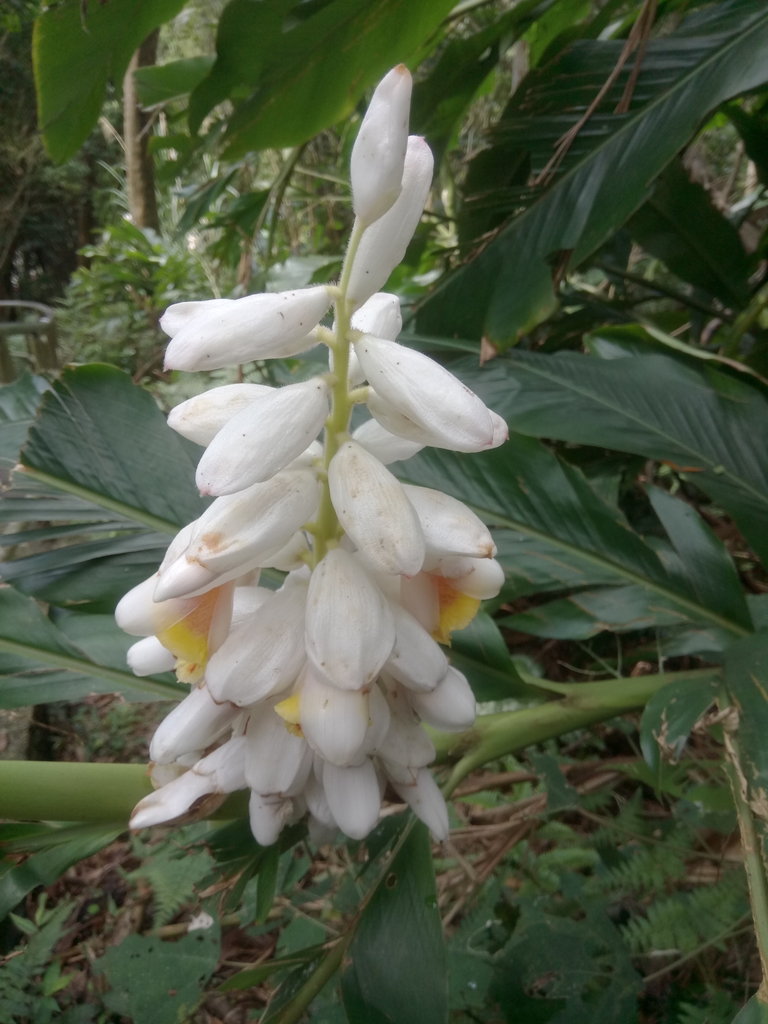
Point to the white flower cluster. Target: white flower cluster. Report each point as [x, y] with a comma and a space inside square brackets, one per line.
[312, 696]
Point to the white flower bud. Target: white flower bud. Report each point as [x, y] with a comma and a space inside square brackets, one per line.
[374, 511]
[384, 243]
[416, 660]
[378, 154]
[138, 614]
[246, 602]
[239, 528]
[420, 598]
[500, 429]
[449, 527]
[333, 721]
[383, 445]
[262, 656]
[268, 815]
[406, 742]
[269, 325]
[194, 724]
[379, 316]
[450, 707]
[317, 802]
[277, 763]
[264, 437]
[180, 314]
[378, 725]
[481, 578]
[220, 772]
[199, 419]
[148, 657]
[426, 393]
[353, 798]
[291, 556]
[349, 628]
[426, 801]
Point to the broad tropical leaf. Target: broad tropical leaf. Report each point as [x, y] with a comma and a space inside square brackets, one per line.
[507, 288]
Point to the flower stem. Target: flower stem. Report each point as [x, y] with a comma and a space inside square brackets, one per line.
[327, 524]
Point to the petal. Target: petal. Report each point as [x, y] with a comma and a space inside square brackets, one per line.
[291, 555]
[193, 725]
[139, 614]
[226, 765]
[246, 602]
[449, 527]
[479, 578]
[267, 816]
[314, 794]
[419, 596]
[263, 655]
[426, 393]
[378, 155]
[353, 797]
[426, 801]
[170, 801]
[406, 742]
[275, 758]
[255, 327]
[201, 418]
[500, 429]
[334, 721]
[379, 316]
[450, 707]
[384, 243]
[384, 445]
[264, 437]
[238, 528]
[148, 657]
[349, 626]
[182, 313]
[416, 660]
[373, 509]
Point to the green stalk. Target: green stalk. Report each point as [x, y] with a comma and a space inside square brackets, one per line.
[71, 791]
[327, 524]
[494, 736]
[753, 861]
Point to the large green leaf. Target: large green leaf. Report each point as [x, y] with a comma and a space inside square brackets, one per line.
[523, 487]
[110, 481]
[680, 226]
[670, 715]
[507, 288]
[704, 422]
[305, 66]
[41, 662]
[78, 48]
[18, 406]
[162, 83]
[395, 968]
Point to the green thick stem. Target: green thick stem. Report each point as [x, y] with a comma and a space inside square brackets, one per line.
[494, 736]
[326, 525]
[753, 861]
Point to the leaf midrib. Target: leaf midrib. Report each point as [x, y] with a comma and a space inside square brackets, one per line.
[69, 663]
[700, 611]
[636, 419]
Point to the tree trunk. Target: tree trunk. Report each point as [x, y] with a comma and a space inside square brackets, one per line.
[139, 167]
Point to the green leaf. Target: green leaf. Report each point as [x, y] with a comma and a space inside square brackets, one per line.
[172, 875]
[754, 1012]
[46, 867]
[102, 438]
[395, 967]
[18, 407]
[77, 49]
[265, 894]
[479, 651]
[670, 715]
[551, 501]
[680, 226]
[30, 644]
[703, 422]
[752, 126]
[746, 678]
[714, 55]
[305, 66]
[588, 612]
[708, 567]
[166, 82]
[156, 982]
[532, 567]
[560, 795]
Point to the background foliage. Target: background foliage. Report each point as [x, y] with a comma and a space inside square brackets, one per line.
[593, 263]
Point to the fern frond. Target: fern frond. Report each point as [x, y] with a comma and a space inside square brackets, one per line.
[173, 878]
